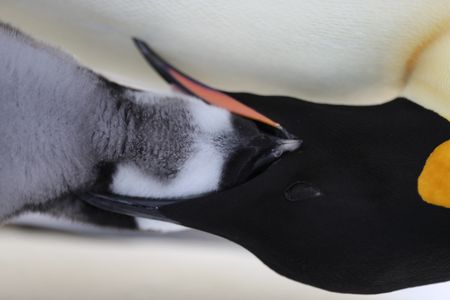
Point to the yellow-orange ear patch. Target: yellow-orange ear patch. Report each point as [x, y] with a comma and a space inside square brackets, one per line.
[434, 181]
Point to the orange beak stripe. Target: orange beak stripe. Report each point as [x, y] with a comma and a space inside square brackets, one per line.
[184, 83]
[221, 100]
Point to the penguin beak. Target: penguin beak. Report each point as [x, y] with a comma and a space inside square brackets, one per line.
[132, 206]
[185, 84]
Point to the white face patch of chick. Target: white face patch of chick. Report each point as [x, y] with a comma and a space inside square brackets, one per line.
[200, 174]
[210, 119]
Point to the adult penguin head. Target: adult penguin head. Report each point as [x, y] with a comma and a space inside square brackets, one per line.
[345, 217]
[341, 216]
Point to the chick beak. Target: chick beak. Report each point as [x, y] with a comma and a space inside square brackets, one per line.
[266, 156]
[132, 206]
[282, 146]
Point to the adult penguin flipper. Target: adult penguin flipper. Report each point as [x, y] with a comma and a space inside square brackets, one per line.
[344, 214]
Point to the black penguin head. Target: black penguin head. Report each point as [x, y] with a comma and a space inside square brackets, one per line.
[342, 217]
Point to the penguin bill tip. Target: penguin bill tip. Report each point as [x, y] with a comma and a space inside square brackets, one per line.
[290, 145]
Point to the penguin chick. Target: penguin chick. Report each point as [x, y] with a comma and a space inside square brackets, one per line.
[64, 127]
